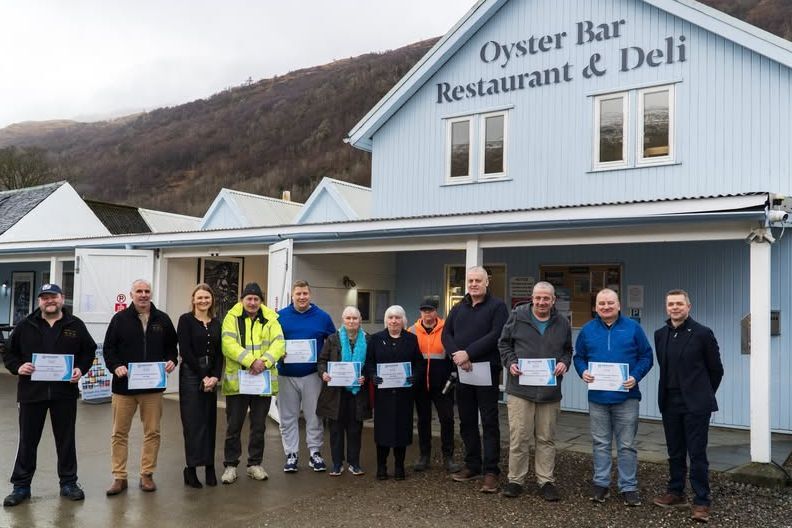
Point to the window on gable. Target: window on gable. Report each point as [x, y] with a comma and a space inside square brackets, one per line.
[476, 141]
[650, 130]
[460, 148]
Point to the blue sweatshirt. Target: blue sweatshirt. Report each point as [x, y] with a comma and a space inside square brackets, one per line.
[623, 342]
[314, 323]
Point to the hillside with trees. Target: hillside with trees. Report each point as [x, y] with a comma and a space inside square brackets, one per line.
[283, 133]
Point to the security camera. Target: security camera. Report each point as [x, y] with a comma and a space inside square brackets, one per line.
[776, 216]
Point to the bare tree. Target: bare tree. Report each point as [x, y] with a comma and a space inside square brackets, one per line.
[21, 168]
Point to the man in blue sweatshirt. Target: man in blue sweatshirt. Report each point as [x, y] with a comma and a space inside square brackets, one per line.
[613, 339]
[305, 327]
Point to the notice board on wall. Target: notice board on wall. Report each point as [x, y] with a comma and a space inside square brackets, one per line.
[577, 287]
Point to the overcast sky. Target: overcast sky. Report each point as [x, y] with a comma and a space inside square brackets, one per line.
[89, 59]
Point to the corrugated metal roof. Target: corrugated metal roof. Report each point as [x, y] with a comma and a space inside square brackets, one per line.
[356, 196]
[119, 219]
[263, 210]
[17, 203]
[164, 222]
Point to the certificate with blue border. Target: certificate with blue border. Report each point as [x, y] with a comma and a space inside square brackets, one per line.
[52, 367]
[608, 376]
[147, 375]
[344, 373]
[300, 351]
[537, 372]
[255, 384]
[394, 375]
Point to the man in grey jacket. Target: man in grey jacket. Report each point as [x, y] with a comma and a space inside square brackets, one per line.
[537, 333]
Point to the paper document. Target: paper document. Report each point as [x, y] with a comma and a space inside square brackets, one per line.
[149, 375]
[481, 375]
[537, 372]
[343, 373]
[52, 367]
[608, 376]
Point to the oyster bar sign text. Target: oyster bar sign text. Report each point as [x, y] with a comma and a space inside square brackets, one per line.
[586, 32]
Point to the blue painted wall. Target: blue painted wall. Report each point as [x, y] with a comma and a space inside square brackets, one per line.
[716, 274]
[324, 209]
[733, 114]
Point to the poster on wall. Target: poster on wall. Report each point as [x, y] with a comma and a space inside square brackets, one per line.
[520, 289]
[224, 275]
[21, 295]
[95, 384]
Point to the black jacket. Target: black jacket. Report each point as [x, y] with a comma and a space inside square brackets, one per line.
[199, 346]
[699, 365]
[126, 343]
[329, 403]
[476, 329]
[521, 339]
[27, 338]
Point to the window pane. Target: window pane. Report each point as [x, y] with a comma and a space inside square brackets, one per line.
[611, 130]
[493, 146]
[460, 149]
[656, 125]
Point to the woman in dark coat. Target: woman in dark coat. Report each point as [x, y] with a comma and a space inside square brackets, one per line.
[200, 371]
[393, 407]
[344, 407]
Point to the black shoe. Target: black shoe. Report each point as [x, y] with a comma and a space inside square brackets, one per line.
[19, 495]
[211, 476]
[398, 472]
[422, 464]
[512, 490]
[631, 498]
[599, 494]
[550, 493]
[191, 479]
[382, 473]
[72, 492]
[451, 466]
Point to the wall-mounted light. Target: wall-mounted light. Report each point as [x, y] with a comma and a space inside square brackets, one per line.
[4, 288]
[348, 283]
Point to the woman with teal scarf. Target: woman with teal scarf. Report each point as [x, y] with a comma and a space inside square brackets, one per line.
[344, 407]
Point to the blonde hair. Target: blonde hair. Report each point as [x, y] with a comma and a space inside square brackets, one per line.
[203, 287]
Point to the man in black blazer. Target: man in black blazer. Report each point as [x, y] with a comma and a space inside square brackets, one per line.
[690, 373]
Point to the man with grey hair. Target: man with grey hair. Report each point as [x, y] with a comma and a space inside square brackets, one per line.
[534, 331]
[471, 337]
[141, 333]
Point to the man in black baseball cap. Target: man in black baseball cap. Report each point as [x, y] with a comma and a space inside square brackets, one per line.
[50, 331]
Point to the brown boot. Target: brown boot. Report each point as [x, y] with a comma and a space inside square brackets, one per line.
[700, 513]
[118, 486]
[147, 482]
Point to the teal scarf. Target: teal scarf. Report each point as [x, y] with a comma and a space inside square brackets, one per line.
[358, 354]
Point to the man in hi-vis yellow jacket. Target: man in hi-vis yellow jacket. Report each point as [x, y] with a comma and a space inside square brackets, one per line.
[252, 345]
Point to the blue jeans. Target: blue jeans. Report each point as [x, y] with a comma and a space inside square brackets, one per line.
[620, 419]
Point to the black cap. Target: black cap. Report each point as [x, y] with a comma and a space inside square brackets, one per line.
[50, 288]
[429, 303]
[252, 288]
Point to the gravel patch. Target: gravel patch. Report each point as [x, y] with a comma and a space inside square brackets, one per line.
[431, 499]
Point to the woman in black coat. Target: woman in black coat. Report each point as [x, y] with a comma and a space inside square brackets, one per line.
[344, 407]
[200, 371]
[393, 407]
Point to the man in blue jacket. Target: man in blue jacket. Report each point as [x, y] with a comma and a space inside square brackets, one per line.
[612, 338]
[304, 325]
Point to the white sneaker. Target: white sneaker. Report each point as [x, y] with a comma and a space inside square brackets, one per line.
[229, 475]
[257, 473]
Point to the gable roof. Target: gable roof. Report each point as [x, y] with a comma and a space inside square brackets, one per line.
[119, 219]
[710, 19]
[164, 222]
[354, 200]
[252, 210]
[17, 203]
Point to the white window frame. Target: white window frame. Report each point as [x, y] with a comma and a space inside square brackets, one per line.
[626, 133]
[640, 160]
[449, 147]
[482, 128]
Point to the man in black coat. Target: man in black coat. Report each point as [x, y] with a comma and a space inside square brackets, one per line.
[139, 334]
[471, 336]
[52, 331]
[690, 373]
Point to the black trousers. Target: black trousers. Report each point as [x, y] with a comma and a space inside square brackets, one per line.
[63, 415]
[398, 458]
[686, 437]
[346, 427]
[236, 409]
[444, 404]
[199, 419]
[472, 401]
